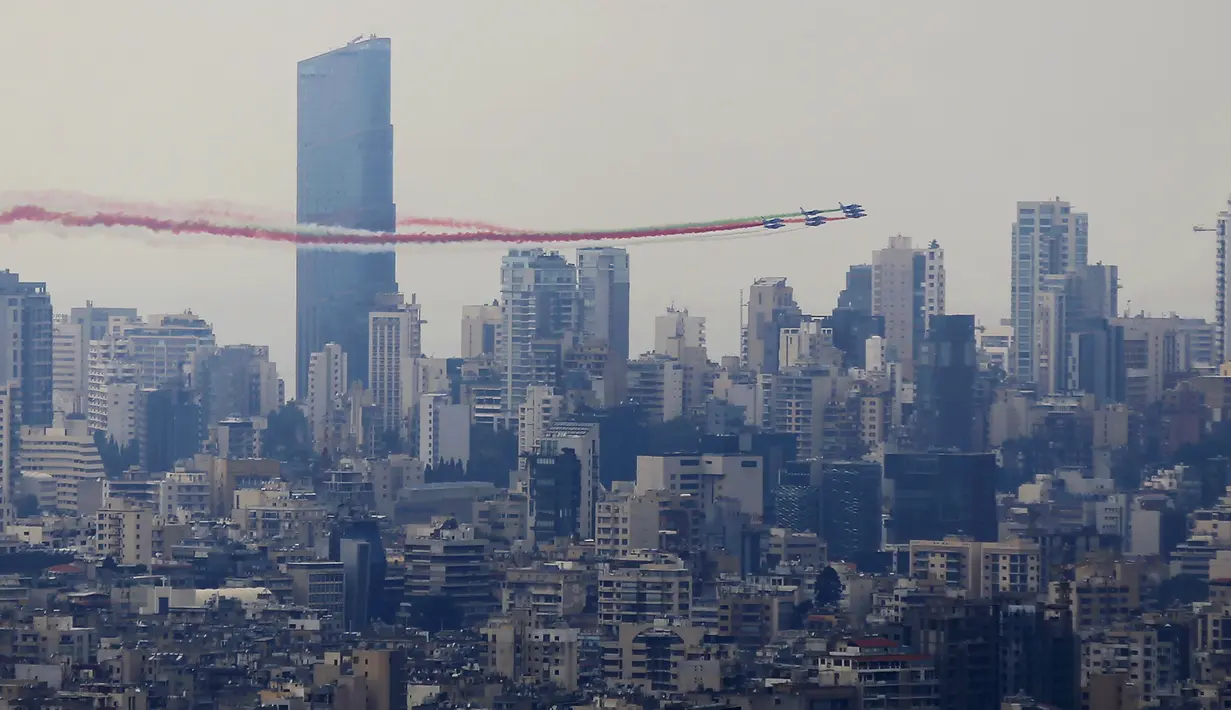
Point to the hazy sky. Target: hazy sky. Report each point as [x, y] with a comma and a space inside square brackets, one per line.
[937, 116]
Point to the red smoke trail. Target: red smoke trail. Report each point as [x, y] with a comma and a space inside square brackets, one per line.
[455, 224]
[211, 210]
[35, 213]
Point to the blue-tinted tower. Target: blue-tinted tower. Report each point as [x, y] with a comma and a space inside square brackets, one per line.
[345, 179]
[356, 543]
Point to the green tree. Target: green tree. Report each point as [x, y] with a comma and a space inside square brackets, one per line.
[828, 589]
[109, 452]
[288, 436]
[493, 454]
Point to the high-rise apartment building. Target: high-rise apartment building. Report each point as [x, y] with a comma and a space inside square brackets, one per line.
[235, 381]
[676, 330]
[541, 408]
[345, 179]
[771, 307]
[133, 355]
[69, 371]
[97, 321]
[125, 532]
[602, 275]
[26, 349]
[66, 453]
[656, 384]
[444, 430]
[1069, 305]
[555, 493]
[1048, 239]
[327, 388]
[541, 311]
[10, 396]
[157, 350]
[857, 295]
[479, 325]
[583, 439]
[1222, 351]
[908, 288]
[395, 333]
[681, 336]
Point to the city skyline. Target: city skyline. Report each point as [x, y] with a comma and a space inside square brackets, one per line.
[460, 161]
[371, 456]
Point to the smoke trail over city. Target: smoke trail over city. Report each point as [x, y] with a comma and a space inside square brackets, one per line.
[221, 220]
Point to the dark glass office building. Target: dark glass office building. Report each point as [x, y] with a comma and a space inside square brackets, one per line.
[797, 497]
[355, 542]
[945, 378]
[555, 493]
[169, 426]
[851, 512]
[345, 179]
[936, 494]
[26, 355]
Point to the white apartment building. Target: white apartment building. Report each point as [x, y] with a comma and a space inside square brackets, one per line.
[656, 383]
[1151, 353]
[479, 324]
[908, 287]
[135, 355]
[981, 569]
[625, 523]
[68, 455]
[874, 354]
[69, 369]
[239, 437]
[676, 330]
[934, 286]
[809, 344]
[541, 310]
[395, 341]
[540, 409]
[125, 532]
[68, 447]
[1048, 239]
[709, 476]
[158, 349]
[1220, 351]
[1132, 650]
[660, 587]
[327, 388]
[185, 494]
[444, 430]
[770, 302]
[794, 402]
[603, 282]
[109, 366]
[993, 344]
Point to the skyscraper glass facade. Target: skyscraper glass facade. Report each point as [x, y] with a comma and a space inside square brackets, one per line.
[345, 179]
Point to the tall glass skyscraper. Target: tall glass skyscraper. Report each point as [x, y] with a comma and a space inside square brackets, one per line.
[345, 179]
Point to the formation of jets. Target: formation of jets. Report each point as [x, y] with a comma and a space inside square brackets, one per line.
[815, 218]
